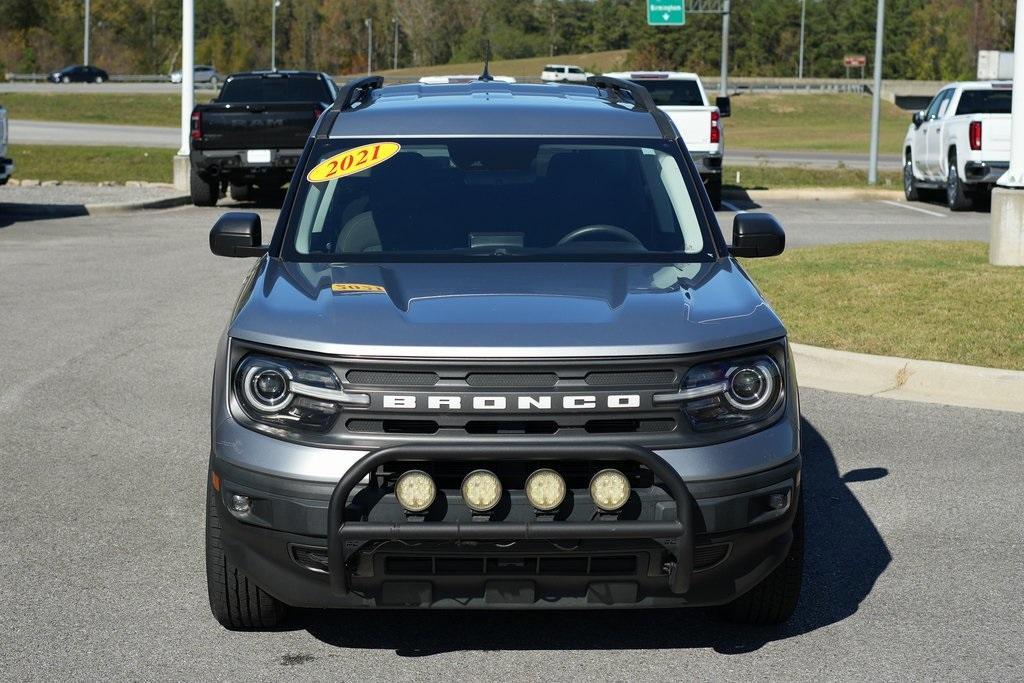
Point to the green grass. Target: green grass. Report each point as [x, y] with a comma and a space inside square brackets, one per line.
[92, 164]
[528, 68]
[774, 177]
[837, 122]
[927, 300]
[135, 109]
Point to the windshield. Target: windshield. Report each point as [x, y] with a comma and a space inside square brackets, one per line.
[984, 102]
[673, 93]
[275, 89]
[379, 200]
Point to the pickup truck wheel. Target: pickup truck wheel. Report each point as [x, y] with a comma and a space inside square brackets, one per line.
[236, 602]
[714, 188]
[204, 192]
[774, 600]
[241, 193]
[909, 181]
[956, 194]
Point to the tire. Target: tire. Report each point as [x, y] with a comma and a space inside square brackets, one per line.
[99, 79]
[909, 181]
[236, 601]
[956, 195]
[241, 193]
[204, 192]
[714, 188]
[774, 600]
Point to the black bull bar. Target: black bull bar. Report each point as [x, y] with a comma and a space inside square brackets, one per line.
[346, 536]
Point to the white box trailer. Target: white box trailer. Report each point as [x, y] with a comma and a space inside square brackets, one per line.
[994, 65]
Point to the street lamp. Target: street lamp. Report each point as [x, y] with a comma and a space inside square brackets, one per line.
[803, 16]
[85, 47]
[369, 45]
[394, 64]
[273, 34]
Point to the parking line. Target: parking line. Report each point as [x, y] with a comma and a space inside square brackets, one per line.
[732, 207]
[912, 208]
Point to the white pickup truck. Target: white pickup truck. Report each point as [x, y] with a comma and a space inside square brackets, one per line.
[960, 144]
[681, 95]
[6, 165]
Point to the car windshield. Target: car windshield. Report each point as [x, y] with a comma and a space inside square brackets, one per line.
[984, 102]
[275, 89]
[505, 198]
[673, 93]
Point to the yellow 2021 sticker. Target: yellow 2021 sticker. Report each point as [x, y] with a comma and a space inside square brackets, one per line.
[352, 161]
[355, 288]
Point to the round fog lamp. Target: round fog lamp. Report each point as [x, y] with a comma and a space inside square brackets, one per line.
[545, 489]
[415, 490]
[609, 489]
[481, 490]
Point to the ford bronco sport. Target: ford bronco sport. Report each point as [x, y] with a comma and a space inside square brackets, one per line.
[498, 354]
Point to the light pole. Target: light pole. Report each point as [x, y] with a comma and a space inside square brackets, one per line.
[876, 96]
[723, 85]
[394, 62]
[1006, 239]
[369, 46]
[181, 160]
[85, 46]
[803, 17]
[273, 34]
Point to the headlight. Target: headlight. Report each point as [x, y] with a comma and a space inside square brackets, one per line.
[731, 393]
[288, 393]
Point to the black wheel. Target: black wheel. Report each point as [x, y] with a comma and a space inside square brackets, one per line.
[204, 192]
[956, 195]
[774, 600]
[236, 602]
[241, 193]
[714, 188]
[909, 181]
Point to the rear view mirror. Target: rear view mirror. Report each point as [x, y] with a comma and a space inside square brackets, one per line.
[756, 235]
[724, 106]
[918, 118]
[237, 234]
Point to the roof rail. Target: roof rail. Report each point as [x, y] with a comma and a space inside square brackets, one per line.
[355, 91]
[642, 100]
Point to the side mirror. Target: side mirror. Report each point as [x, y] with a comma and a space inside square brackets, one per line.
[756, 235]
[724, 106]
[918, 118]
[237, 234]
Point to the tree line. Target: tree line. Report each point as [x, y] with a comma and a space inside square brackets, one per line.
[925, 39]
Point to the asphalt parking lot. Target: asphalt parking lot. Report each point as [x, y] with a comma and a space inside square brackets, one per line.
[108, 335]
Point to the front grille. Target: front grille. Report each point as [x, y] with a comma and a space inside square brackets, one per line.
[631, 379]
[512, 565]
[509, 379]
[386, 378]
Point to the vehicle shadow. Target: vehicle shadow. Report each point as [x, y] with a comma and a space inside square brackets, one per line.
[11, 213]
[739, 197]
[845, 556]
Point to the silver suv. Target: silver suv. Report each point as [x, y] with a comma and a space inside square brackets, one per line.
[444, 385]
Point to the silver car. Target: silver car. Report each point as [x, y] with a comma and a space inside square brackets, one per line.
[201, 74]
[443, 385]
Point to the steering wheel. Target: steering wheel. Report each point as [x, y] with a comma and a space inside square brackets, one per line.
[598, 228]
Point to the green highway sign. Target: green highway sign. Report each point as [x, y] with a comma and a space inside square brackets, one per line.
[662, 13]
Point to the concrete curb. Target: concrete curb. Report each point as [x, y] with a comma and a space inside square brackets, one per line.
[122, 207]
[814, 193]
[906, 379]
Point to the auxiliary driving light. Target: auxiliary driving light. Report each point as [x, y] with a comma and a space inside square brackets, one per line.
[609, 489]
[240, 504]
[481, 490]
[415, 490]
[545, 489]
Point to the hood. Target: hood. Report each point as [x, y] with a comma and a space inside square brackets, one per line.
[503, 310]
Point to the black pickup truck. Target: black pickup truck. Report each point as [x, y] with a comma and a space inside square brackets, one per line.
[250, 137]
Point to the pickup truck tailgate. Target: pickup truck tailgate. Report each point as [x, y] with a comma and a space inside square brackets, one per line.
[995, 137]
[250, 126]
[694, 124]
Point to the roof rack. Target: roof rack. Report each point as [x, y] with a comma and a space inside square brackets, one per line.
[356, 90]
[642, 100]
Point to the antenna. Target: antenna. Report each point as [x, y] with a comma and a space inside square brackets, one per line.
[486, 75]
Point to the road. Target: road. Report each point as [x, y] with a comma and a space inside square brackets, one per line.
[106, 88]
[831, 160]
[110, 322]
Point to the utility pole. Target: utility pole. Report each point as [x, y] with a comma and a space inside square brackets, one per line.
[1006, 240]
[273, 33]
[876, 96]
[85, 47]
[369, 46]
[394, 63]
[723, 81]
[803, 19]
